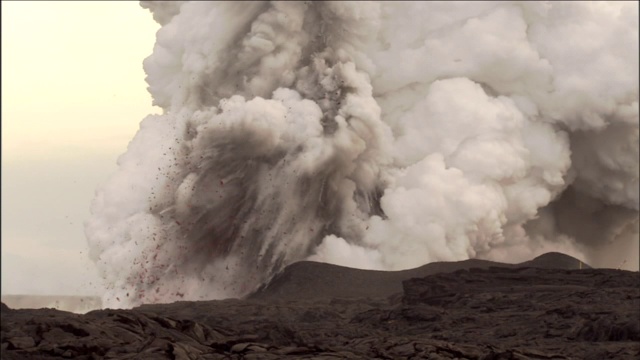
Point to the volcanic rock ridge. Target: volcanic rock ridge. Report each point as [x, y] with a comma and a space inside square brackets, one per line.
[553, 307]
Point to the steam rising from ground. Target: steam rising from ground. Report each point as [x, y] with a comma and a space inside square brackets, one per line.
[373, 135]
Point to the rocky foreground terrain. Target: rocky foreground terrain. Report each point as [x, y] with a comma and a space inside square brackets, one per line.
[544, 309]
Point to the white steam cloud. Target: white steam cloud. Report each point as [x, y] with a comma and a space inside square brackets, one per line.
[374, 135]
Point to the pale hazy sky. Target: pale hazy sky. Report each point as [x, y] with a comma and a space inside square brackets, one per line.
[73, 95]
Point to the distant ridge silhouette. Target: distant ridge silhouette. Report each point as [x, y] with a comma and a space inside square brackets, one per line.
[308, 280]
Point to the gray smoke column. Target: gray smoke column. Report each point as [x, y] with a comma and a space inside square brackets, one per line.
[373, 135]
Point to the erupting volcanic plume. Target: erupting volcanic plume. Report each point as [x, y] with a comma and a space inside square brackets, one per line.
[374, 135]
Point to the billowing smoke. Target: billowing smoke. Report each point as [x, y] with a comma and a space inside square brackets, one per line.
[373, 135]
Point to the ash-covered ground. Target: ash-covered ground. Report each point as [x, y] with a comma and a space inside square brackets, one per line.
[547, 308]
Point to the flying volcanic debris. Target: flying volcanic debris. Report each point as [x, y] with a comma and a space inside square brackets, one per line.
[374, 135]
